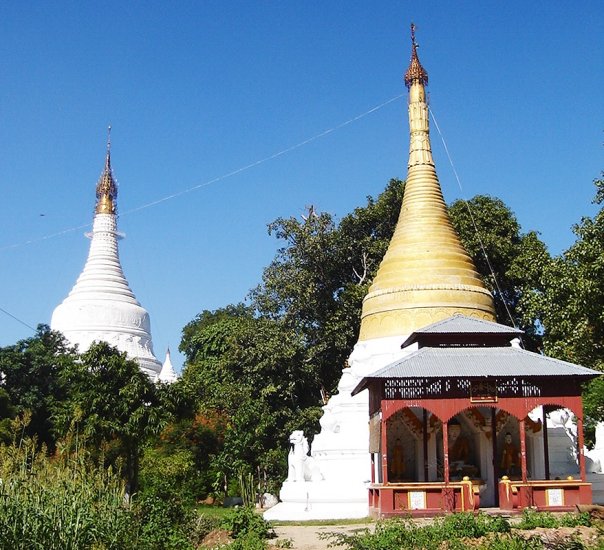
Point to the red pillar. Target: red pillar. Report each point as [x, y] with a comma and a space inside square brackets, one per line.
[384, 451]
[446, 451]
[523, 450]
[425, 443]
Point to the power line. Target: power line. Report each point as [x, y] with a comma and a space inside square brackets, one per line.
[467, 204]
[17, 319]
[219, 178]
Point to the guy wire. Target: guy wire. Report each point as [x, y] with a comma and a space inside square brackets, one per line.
[467, 204]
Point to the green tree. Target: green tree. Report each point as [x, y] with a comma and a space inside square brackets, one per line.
[7, 412]
[317, 281]
[30, 371]
[250, 373]
[112, 404]
[509, 261]
[571, 304]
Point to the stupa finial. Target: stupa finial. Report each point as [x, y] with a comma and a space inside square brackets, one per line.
[415, 72]
[108, 156]
[106, 188]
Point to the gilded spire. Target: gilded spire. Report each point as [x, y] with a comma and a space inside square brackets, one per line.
[425, 275]
[415, 72]
[106, 188]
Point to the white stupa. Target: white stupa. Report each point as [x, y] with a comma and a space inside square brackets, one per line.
[167, 374]
[101, 306]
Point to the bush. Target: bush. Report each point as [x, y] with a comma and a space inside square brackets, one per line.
[398, 534]
[202, 526]
[61, 503]
[244, 521]
[531, 519]
[511, 542]
[165, 524]
[468, 525]
[249, 541]
[170, 476]
[65, 502]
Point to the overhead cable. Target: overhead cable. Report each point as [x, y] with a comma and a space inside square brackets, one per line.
[219, 178]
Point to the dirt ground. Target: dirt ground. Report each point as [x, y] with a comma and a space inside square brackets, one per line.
[307, 537]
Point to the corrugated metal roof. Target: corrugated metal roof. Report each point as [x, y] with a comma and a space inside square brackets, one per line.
[471, 362]
[461, 323]
[458, 362]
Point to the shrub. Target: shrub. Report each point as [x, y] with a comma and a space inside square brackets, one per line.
[165, 524]
[65, 502]
[201, 526]
[511, 542]
[243, 521]
[531, 519]
[398, 534]
[61, 503]
[249, 541]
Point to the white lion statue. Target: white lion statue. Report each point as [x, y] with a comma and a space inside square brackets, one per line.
[301, 467]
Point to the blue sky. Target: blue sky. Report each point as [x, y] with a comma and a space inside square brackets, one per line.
[196, 90]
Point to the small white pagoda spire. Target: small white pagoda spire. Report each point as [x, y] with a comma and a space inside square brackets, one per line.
[101, 306]
[167, 375]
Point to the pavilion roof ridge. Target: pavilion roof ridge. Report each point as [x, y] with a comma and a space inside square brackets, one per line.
[462, 324]
[476, 362]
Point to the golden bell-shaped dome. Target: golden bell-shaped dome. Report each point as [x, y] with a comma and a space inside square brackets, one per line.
[425, 275]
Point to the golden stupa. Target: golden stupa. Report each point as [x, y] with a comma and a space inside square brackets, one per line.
[425, 275]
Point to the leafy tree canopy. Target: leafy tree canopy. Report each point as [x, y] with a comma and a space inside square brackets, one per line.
[571, 302]
[249, 372]
[30, 371]
[110, 402]
[509, 261]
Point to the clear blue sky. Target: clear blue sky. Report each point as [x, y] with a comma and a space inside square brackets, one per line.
[195, 90]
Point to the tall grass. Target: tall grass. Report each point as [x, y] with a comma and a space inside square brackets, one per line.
[62, 502]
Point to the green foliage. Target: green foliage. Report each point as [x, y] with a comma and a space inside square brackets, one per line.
[396, 534]
[7, 412]
[169, 476]
[30, 376]
[244, 521]
[64, 503]
[247, 489]
[516, 259]
[164, 523]
[511, 542]
[250, 376]
[111, 403]
[316, 283]
[461, 531]
[531, 519]
[181, 457]
[68, 502]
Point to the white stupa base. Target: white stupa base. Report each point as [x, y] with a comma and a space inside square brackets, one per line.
[341, 450]
[310, 500]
